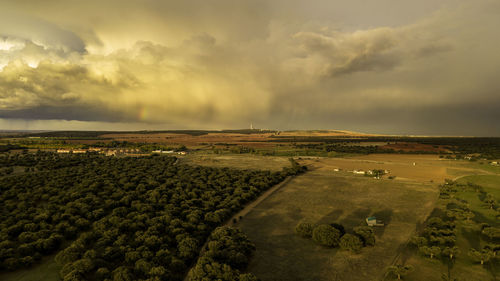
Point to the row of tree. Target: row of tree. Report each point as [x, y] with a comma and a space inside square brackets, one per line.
[334, 235]
[438, 238]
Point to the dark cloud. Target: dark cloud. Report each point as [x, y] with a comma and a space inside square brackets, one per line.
[469, 120]
[80, 112]
[281, 64]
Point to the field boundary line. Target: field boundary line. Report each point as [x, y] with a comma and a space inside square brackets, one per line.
[249, 207]
[246, 209]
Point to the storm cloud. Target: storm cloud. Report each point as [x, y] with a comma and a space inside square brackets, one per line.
[429, 69]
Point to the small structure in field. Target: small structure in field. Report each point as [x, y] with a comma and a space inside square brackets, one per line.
[372, 221]
[336, 170]
[358, 172]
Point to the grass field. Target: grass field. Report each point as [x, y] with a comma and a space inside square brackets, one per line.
[467, 237]
[324, 196]
[490, 183]
[320, 196]
[238, 161]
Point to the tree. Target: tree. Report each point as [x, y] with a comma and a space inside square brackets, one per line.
[83, 265]
[494, 248]
[157, 271]
[490, 201]
[143, 266]
[121, 273]
[73, 276]
[304, 229]
[430, 251]
[188, 247]
[493, 233]
[366, 234]
[326, 235]
[398, 271]
[450, 252]
[351, 242]
[480, 256]
[68, 255]
[469, 215]
[418, 241]
[102, 273]
[230, 246]
[207, 269]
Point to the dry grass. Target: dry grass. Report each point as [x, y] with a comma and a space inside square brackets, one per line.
[427, 167]
[320, 196]
[244, 161]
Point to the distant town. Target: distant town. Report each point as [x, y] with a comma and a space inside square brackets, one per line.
[117, 152]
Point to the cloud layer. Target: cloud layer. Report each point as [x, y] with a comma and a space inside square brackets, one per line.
[278, 64]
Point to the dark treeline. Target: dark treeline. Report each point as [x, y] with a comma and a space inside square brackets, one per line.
[487, 147]
[8, 147]
[341, 147]
[44, 160]
[95, 134]
[120, 218]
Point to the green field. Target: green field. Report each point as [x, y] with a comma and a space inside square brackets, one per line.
[468, 237]
[490, 183]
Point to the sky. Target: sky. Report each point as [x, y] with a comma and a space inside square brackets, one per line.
[378, 66]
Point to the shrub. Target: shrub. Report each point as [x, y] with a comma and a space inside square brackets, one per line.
[351, 242]
[326, 235]
[304, 229]
[366, 234]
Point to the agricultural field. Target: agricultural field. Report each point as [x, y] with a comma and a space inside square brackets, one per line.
[320, 196]
[324, 196]
[471, 192]
[245, 161]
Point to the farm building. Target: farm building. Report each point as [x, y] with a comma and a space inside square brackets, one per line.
[63, 151]
[163, 151]
[372, 221]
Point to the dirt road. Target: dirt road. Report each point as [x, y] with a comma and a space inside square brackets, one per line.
[253, 204]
